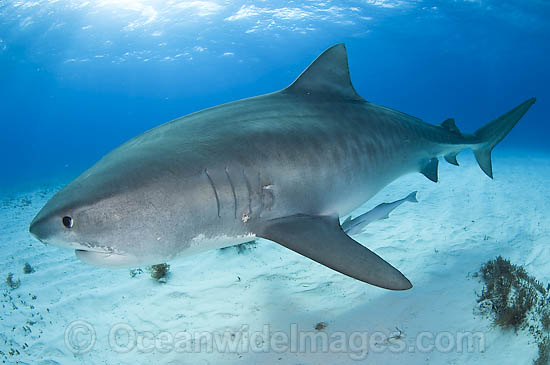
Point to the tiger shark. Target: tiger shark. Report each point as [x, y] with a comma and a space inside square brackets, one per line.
[282, 166]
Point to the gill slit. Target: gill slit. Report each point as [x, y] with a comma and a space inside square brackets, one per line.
[232, 189]
[260, 193]
[249, 189]
[215, 191]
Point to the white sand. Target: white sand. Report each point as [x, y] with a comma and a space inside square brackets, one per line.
[458, 224]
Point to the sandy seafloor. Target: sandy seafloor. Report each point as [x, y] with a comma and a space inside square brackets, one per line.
[458, 224]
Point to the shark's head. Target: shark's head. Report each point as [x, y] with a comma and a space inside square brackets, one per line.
[109, 218]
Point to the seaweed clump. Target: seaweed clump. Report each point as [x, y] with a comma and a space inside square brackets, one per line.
[159, 272]
[12, 283]
[27, 268]
[320, 326]
[544, 352]
[546, 320]
[509, 293]
[515, 300]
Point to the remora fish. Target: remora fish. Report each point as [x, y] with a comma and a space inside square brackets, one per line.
[283, 166]
[381, 211]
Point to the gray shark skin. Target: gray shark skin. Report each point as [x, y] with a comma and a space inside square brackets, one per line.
[381, 211]
[283, 166]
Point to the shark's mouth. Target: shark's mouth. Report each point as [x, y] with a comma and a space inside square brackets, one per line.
[107, 259]
[94, 247]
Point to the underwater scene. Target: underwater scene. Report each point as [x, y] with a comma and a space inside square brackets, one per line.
[274, 182]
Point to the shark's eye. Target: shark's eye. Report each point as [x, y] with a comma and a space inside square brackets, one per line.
[68, 222]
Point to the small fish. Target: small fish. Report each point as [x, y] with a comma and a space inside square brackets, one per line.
[381, 211]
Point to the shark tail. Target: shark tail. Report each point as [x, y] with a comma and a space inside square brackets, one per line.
[492, 133]
[482, 141]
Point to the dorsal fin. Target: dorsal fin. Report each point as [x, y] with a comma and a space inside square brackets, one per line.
[327, 76]
[450, 125]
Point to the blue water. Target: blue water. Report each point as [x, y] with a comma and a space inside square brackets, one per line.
[79, 78]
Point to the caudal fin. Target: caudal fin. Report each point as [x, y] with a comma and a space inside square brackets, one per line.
[492, 133]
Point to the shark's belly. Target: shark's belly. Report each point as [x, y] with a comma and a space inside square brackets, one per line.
[203, 243]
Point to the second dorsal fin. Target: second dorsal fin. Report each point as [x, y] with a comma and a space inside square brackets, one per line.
[450, 125]
[328, 77]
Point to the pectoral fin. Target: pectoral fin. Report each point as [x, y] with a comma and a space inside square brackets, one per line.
[321, 239]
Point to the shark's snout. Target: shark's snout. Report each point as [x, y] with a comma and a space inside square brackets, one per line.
[48, 229]
[38, 228]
